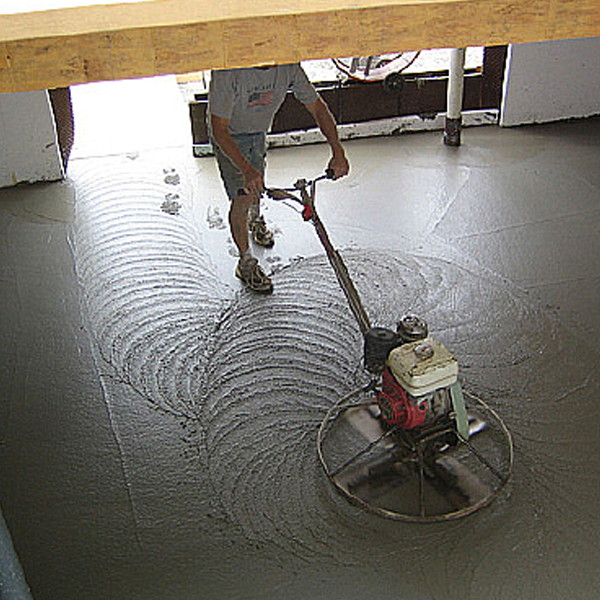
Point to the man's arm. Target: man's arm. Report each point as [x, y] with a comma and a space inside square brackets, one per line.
[253, 180]
[324, 119]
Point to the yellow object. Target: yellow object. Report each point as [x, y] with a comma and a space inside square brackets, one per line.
[57, 48]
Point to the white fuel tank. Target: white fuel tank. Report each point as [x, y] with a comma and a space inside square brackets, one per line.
[422, 367]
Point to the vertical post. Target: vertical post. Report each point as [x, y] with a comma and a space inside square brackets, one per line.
[28, 143]
[455, 97]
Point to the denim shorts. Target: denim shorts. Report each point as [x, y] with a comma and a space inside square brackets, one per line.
[254, 149]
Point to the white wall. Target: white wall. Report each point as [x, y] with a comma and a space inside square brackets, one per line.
[548, 81]
[28, 146]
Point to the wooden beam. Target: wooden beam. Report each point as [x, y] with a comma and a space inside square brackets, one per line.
[62, 47]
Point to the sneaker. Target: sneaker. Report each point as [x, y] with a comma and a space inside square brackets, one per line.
[260, 234]
[251, 273]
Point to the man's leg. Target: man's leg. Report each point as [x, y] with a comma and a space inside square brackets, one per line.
[238, 220]
[248, 268]
[256, 224]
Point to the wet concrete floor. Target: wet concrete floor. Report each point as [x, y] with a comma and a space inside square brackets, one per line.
[158, 423]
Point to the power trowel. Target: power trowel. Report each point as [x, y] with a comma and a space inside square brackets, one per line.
[410, 445]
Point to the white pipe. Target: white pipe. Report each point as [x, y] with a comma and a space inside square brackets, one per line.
[456, 76]
[456, 83]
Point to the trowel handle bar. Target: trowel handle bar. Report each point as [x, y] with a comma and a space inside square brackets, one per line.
[329, 174]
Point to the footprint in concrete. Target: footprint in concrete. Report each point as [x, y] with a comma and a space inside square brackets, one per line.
[232, 248]
[214, 218]
[171, 205]
[171, 177]
[276, 262]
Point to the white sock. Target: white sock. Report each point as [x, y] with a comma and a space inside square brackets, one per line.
[246, 256]
[253, 212]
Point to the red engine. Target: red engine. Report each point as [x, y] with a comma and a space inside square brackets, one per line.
[397, 406]
[417, 372]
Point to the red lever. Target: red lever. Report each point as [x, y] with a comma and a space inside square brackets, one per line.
[307, 213]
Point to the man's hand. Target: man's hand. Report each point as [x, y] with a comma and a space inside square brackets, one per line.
[339, 165]
[253, 181]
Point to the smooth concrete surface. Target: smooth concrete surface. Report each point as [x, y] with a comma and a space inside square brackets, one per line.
[158, 423]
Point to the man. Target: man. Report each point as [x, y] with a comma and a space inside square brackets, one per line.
[241, 107]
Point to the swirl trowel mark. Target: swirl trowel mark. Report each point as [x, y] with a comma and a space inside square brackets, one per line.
[147, 287]
[278, 366]
[275, 369]
[261, 380]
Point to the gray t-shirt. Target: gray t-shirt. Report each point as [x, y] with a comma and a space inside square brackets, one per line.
[249, 98]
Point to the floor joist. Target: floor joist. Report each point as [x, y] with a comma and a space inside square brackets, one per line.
[69, 46]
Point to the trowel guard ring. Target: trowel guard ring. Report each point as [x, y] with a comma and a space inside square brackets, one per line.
[414, 476]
